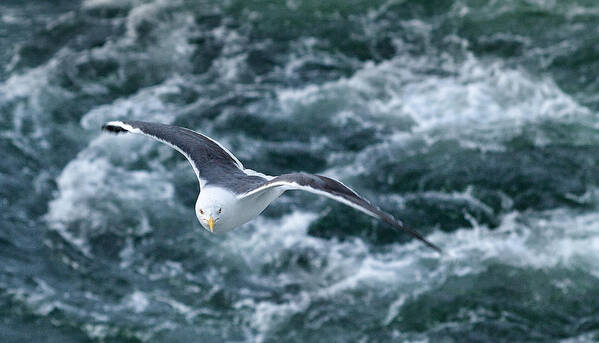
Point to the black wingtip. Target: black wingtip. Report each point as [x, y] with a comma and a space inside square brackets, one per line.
[423, 240]
[413, 233]
[113, 128]
[436, 248]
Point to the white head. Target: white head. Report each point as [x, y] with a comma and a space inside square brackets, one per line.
[208, 215]
[211, 207]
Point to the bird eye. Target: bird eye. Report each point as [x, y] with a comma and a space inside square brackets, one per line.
[201, 211]
[220, 210]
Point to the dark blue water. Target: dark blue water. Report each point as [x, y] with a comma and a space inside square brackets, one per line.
[475, 122]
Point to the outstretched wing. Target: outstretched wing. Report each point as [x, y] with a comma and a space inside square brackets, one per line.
[337, 191]
[211, 162]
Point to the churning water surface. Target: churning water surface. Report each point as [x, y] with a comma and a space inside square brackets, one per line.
[473, 121]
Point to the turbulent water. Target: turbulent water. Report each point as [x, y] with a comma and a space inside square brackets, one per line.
[473, 121]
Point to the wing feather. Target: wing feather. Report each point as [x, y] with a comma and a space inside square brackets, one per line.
[335, 190]
[210, 161]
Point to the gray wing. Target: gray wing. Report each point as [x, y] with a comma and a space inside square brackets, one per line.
[212, 163]
[337, 191]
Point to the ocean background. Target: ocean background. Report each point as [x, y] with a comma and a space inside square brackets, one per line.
[476, 122]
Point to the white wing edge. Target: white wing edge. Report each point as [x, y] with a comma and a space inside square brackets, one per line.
[295, 186]
[390, 219]
[251, 172]
[138, 131]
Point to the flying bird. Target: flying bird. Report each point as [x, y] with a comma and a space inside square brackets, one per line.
[231, 195]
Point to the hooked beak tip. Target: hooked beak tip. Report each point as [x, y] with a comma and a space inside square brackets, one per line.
[211, 224]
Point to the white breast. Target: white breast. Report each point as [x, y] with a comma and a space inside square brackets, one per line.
[235, 212]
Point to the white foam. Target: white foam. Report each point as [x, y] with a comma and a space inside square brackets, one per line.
[89, 189]
[557, 238]
[477, 102]
[28, 84]
[231, 62]
[137, 301]
[465, 195]
[40, 300]
[143, 12]
[107, 3]
[582, 338]
[10, 17]
[145, 105]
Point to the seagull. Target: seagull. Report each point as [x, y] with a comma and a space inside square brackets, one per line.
[230, 194]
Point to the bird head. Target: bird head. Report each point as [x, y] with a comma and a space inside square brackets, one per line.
[209, 216]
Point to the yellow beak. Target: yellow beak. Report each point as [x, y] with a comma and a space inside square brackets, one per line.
[211, 224]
